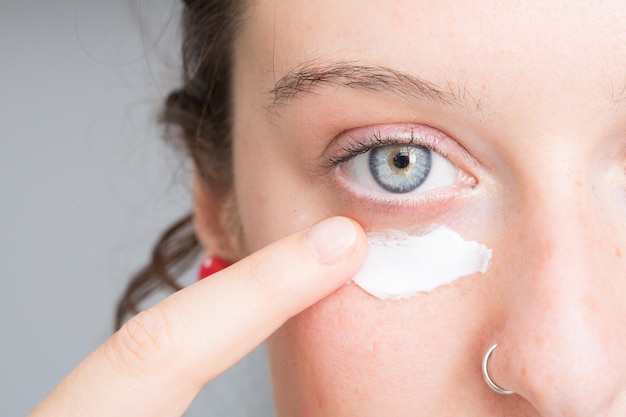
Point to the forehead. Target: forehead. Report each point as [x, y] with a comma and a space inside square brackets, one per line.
[533, 50]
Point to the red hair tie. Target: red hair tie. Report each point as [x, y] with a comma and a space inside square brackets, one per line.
[211, 265]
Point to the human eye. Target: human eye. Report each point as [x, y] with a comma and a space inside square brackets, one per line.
[400, 162]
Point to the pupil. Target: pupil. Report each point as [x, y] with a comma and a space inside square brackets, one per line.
[401, 160]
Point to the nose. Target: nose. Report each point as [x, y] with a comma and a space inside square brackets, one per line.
[562, 344]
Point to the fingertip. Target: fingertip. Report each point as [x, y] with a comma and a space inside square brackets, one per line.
[334, 239]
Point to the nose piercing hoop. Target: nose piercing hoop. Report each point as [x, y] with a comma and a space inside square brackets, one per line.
[488, 379]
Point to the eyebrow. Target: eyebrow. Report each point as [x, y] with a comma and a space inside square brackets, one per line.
[378, 79]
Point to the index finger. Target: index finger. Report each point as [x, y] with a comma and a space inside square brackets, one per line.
[159, 360]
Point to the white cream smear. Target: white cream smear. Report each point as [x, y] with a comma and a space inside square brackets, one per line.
[399, 265]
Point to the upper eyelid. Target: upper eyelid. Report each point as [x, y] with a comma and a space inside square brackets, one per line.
[354, 146]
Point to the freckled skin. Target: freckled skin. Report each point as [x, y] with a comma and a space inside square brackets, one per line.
[544, 137]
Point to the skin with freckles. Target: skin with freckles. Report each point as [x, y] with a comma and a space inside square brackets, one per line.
[527, 101]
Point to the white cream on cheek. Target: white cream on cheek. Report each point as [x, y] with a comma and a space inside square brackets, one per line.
[399, 265]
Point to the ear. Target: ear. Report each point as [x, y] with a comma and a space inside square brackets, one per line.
[216, 222]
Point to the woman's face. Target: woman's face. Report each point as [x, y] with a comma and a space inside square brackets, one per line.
[527, 102]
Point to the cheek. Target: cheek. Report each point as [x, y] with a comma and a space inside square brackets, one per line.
[352, 349]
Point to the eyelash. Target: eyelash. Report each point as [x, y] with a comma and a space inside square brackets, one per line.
[355, 147]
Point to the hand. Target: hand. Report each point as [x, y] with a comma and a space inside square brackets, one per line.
[158, 361]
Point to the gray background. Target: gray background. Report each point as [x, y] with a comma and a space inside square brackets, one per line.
[86, 185]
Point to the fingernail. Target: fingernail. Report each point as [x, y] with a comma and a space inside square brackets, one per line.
[331, 239]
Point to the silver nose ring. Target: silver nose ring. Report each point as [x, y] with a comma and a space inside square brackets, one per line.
[488, 379]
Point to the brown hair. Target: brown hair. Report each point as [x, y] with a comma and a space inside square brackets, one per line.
[197, 119]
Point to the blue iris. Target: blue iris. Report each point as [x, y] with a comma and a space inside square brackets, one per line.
[400, 168]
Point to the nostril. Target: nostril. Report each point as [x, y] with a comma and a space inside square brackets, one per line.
[577, 380]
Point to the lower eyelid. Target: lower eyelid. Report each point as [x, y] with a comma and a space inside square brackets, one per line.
[423, 207]
[384, 200]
